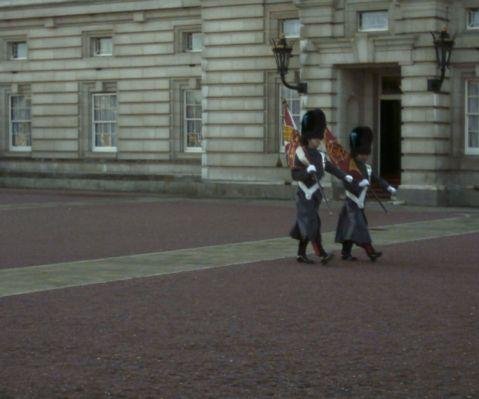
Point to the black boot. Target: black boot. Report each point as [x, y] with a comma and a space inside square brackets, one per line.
[346, 251]
[302, 257]
[326, 257]
[371, 252]
[374, 255]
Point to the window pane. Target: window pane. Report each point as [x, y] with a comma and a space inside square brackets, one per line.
[192, 118]
[297, 120]
[373, 20]
[291, 27]
[193, 140]
[103, 46]
[193, 41]
[473, 105]
[473, 89]
[473, 124]
[22, 50]
[295, 107]
[197, 41]
[294, 104]
[104, 117]
[198, 113]
[473, 141]
[19, 50]
[106, 45]
[473, 19]
[193, 97]
[20, 126]
[198, 128]
[189, 112]
[190, 127]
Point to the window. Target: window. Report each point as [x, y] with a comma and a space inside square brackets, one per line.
[472, 117]
[104, 122]
[473, 19]
[290, 28]
[371, 21]
[20, 124]
[192, 120]
[193, 41]
[102, 46]
[18, 50]
[294, 104]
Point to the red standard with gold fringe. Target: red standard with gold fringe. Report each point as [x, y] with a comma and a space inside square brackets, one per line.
[291, 135]
[339, 156]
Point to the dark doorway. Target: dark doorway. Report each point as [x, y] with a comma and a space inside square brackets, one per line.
[390, 141]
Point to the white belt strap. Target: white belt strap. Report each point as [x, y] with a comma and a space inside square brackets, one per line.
[359, 201]
[304, 160]
[308, 192]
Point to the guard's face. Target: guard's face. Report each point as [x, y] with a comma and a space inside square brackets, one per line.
[314, 143]
[362, 157]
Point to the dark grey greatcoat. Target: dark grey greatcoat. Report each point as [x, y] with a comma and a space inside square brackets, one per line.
[352, 222]
[308, 223]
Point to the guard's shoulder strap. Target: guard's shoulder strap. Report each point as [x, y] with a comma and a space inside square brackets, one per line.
[301, 154]
[323, 159]
[369, 169]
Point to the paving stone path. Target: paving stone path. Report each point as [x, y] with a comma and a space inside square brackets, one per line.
[16, 281]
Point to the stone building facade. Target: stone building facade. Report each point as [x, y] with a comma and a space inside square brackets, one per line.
[183, 95]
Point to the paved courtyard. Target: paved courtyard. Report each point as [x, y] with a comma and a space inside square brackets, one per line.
[135, 296]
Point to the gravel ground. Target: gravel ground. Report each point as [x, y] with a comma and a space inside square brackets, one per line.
[406, 327]
[114, 224]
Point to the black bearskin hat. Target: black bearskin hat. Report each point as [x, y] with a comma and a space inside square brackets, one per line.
[361, 140]
[313, 124]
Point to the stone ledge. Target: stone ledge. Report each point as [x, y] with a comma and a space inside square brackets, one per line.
[186, 186]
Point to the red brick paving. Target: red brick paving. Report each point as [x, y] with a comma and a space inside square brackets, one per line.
[406, 327]
[64, 233]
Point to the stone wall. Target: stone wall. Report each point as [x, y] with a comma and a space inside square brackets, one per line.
[237, 76]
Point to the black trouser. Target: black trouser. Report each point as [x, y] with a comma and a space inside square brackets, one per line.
[347, 248]
[317, 246]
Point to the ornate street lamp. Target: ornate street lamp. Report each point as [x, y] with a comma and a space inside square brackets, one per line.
[282, 53]
[443, 44]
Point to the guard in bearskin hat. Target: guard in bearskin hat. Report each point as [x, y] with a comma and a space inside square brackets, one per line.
[352, 225]
[309, 167]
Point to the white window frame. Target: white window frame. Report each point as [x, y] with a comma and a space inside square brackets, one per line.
[360, 15]
[296, 36]
[469, 150]
[289, 99]
[469, 13]
[186, 38]
[11, 47]
[96, 45]
[10, 126]
[185, 120]
[95, 148]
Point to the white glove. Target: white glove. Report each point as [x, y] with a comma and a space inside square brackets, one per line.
[392, 190]
[311, 169]
[364, 183]
[348, 178]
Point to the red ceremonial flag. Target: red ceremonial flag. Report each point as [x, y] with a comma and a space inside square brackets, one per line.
[339, 156]
[291, 135]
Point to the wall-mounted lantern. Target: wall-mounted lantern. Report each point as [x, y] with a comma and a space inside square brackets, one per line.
[282, 53]
[443, 45]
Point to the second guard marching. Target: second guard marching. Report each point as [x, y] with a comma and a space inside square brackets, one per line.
[352, 227]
